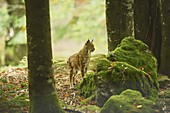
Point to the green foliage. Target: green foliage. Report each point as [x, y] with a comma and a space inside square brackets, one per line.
[4, 20]
[15, 53]
[85, 21]
[19, 24]
[24, 62]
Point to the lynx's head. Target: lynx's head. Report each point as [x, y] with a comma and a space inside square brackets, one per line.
[89, 45]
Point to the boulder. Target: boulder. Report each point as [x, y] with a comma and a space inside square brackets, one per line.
[88, 86]
[129, 101]
[121, 76]
[130, 66]
[137, 54]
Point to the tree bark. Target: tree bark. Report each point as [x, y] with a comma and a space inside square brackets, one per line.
[165, 50]
[119, 21]
[141, 19]
[42, 91]
[147, 24]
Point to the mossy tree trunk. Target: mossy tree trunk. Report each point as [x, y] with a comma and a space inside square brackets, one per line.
[42, 92]
[119, 21]
[147, 24]
[165, 50]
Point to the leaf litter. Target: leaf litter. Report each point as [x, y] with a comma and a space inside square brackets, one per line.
[14, 91]
[14, 85]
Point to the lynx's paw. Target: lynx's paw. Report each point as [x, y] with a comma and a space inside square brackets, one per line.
[71, 86]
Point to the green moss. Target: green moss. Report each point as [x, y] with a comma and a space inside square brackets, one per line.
[86, 100]
[88, 86]
[39, 104]
[103, 64]
[14, 105]
[93, 61]
[163, 80]
[129, 101]
[15, 53]
[130, 66]
[140, 66]
[137, 54]
[90, 109]
[165, 94]
[123, 76]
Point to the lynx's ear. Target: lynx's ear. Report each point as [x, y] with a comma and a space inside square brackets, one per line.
[92, 40]
[87, 41]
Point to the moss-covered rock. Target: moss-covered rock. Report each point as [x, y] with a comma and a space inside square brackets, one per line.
[93, 61]
[163, 80]
[137, 54]
[129, 101]
[130, 66]
[127, 76]
[88, 86]
[121, 76]
[103, 64]
[89, 109]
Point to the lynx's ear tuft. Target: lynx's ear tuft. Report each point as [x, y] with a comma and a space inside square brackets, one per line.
[88, 41]
[92, 40]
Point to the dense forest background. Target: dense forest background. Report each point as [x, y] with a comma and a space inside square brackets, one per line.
[130, 73]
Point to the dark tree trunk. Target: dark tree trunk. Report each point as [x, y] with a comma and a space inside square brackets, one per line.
[147, 24]
[119, 21]
[141, 19]
[42, 92]
[165, 50]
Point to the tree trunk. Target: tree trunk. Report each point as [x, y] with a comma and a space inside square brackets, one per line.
[165, 50]
[119, 21]
[147, 24]
[141, 19]
[42, 91]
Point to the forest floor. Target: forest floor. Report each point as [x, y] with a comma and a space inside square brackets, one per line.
[14, 92]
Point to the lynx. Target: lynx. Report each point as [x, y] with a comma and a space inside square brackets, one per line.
[79, 61]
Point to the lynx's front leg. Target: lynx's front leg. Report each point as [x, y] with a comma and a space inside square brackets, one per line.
[86, 67]
[82, 70]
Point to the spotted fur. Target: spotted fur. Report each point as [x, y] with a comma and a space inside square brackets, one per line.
[79, 61]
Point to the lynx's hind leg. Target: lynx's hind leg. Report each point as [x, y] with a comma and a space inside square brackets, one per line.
[71, 78]
[73, 73]
[74, 76]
